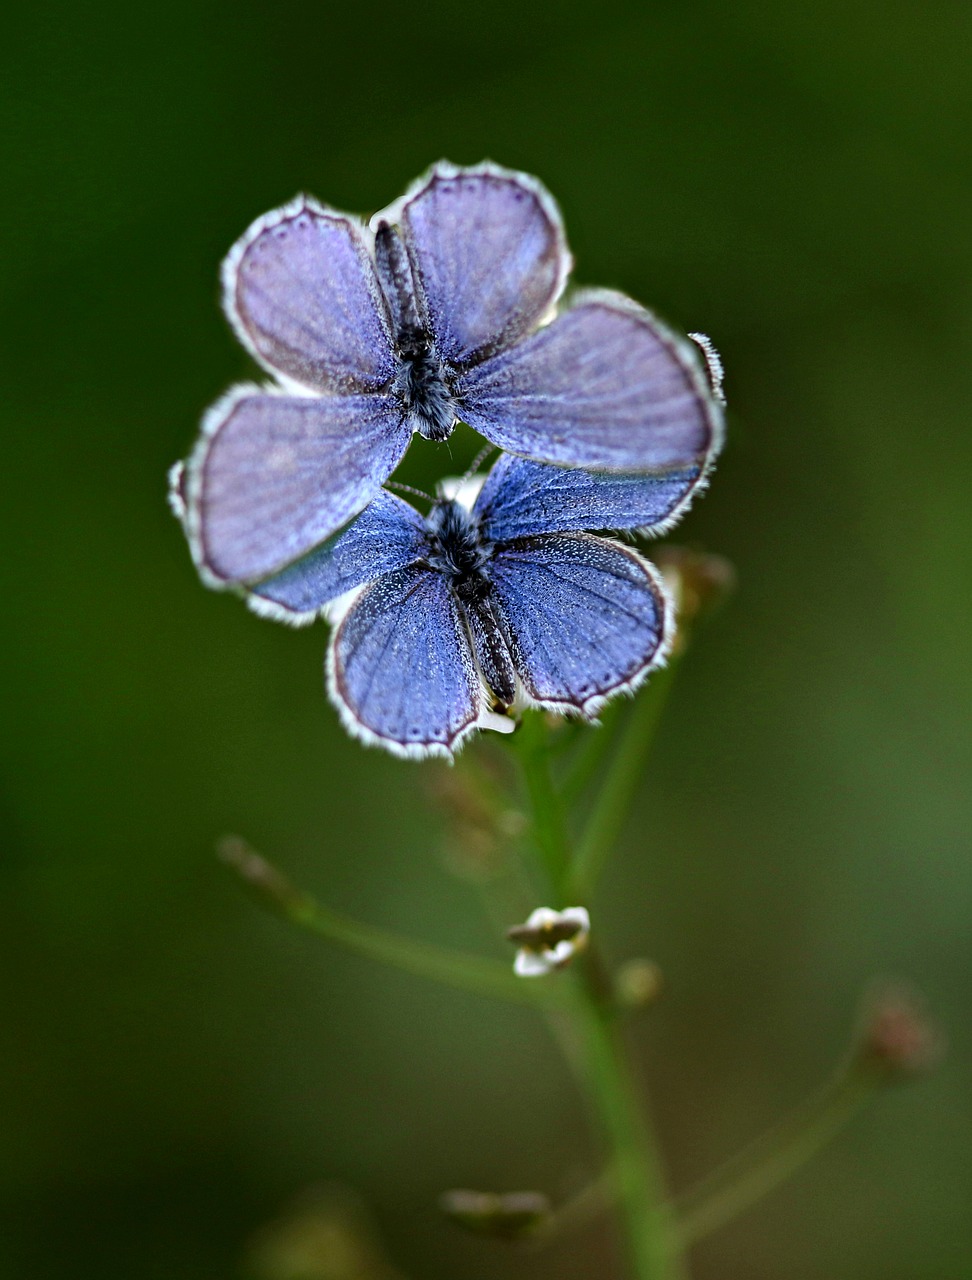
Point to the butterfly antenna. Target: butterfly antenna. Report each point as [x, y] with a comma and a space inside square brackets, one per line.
[480, 458]
[407, 488]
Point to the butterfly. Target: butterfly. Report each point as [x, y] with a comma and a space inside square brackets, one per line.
[443, 623]
[443, 308]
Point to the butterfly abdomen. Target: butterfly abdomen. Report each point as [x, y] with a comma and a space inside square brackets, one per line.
[460, 554]
[490, 640]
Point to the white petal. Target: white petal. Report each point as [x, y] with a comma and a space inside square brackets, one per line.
[528, 964]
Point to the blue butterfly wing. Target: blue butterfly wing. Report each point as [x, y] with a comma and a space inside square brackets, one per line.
[388, 535]
[488, 252]
[300, 289]
[605, 385]
[401, 672]
[522, 498]
[586, 617]
[275, 475]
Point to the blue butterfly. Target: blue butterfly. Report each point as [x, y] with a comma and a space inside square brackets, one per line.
[444, 623]
[443, 308]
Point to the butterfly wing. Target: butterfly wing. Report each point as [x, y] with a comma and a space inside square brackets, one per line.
[586, 618]
[275, 475]
[488, 255]
[521, 498]
[301, 292]
[400, 669]
[604, 385]
[388, 535]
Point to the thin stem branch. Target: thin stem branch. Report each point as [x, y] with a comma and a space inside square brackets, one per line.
[773, 1158]
[423, 959]
[611, 807]
[583, 1207]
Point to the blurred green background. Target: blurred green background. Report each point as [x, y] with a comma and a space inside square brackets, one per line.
[176, 1066]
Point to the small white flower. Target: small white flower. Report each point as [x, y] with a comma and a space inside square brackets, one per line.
[549, 940]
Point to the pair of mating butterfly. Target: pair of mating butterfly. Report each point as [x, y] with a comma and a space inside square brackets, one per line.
[444, 308]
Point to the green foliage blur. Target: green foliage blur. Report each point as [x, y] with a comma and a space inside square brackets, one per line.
[178, 1069]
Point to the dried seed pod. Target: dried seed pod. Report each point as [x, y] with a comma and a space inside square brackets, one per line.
[505, 1216]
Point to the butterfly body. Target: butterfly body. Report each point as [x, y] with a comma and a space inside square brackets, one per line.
[445, 307]
[439, 622]
[459, 551]
[456, 547]
[427, 404]
[422, 379]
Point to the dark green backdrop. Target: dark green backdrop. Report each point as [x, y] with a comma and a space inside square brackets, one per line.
[175, 1066]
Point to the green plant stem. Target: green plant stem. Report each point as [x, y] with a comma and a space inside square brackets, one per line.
[547, 825]
[634, 1172]
[634, 1169]
[588, 757]
[611, 807]
[423, 959]
[759, 1169]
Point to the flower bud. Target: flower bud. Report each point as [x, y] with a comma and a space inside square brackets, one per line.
[898, 1040]
[638, 983]
[509, 1216]
[327, 1234]
[699, 582]
[259, 874]
[478, 824]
